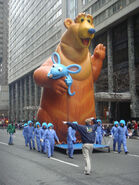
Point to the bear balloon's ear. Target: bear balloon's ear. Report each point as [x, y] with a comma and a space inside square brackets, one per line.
[68, 22]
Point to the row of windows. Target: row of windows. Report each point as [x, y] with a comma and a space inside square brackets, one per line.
[14, 73]
[96, 6]
[43, 31]
[33, 14]
[109, 11]
[35, 32]
[18, 8]
[30, 55]
[33, 45]
[84, 2]
[27, 28]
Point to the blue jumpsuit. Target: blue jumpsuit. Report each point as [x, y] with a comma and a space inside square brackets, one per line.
[122, 133]
[25, 134]
[99, 134]
[50, 137]
[43, 145]
[37, 133]
[70, 140]
[114, 133]
[31, 137]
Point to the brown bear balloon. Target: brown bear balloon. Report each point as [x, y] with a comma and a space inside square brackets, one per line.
[56, 104]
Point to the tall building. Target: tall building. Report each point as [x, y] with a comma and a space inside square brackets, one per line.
[117, 27]
[35, 28]
[3, 59]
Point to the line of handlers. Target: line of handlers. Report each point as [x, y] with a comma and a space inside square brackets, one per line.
[45, 137]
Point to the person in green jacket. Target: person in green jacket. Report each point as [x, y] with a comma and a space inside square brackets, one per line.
[11, 131]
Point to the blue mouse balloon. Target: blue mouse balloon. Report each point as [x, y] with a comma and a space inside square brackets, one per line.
[58, 70]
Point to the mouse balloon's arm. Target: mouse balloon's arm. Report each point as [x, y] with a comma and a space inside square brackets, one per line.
[68, 81]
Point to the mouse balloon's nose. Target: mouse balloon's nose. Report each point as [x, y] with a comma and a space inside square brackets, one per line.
[91, 31]
[50, 75]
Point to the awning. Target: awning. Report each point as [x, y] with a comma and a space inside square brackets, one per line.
[107, 96]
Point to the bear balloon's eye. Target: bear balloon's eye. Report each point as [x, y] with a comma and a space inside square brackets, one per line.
[60, 69]
[88, 20]
[82, 20]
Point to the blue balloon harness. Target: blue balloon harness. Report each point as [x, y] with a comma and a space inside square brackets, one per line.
[58, 70]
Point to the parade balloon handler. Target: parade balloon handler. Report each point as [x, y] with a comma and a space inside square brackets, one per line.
[87, 133]
[114, 134]
[99, 132]
[37, 134]
[50, 136]
[122, 134]
[25, 133]
[31, 135]
[11, 131]
[43, 129]
[71, 139]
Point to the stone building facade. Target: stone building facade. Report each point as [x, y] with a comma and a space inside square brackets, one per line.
[117, 27]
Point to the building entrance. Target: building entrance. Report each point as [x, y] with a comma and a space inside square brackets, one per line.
[120, 110]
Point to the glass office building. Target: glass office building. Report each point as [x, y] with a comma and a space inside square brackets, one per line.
[3, 59]
[34, 32]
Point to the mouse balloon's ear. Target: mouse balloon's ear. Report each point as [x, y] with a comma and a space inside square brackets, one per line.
[55, 58]
[74, 68]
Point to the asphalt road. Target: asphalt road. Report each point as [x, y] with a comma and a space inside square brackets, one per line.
[20, 166]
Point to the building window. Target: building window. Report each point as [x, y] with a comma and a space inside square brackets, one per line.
[120, 44]
[116, 7]
[100, 18]
[136, 37]
[97, 5]
[120, 58]
[102, 82]
[103, 40]
[72, 8]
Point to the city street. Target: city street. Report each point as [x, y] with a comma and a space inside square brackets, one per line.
[20, 166]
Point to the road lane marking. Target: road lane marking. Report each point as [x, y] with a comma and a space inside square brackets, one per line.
[71, 164]
[3, 143]
[133, 155]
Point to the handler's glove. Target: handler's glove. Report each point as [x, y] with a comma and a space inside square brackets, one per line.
[65, 122]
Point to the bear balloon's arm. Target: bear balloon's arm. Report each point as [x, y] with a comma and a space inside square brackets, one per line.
[40, 74]
[97, 60]
[41, 79]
